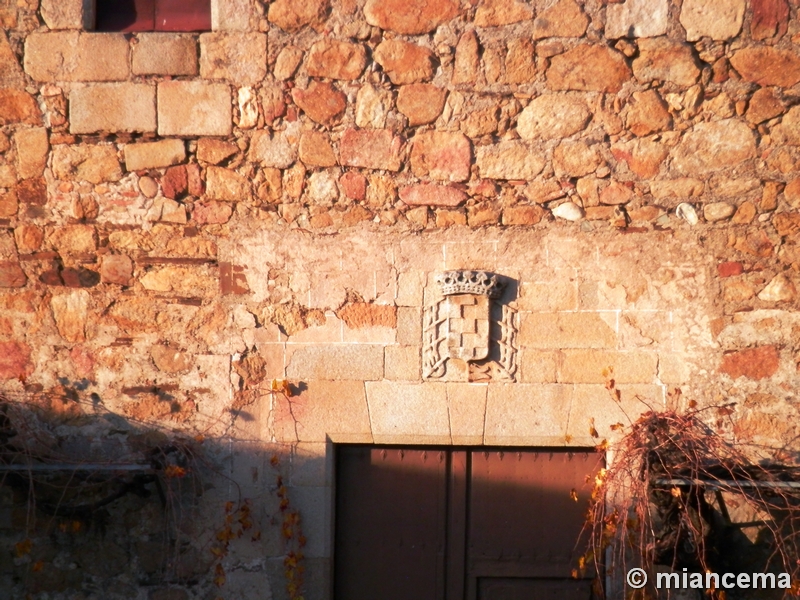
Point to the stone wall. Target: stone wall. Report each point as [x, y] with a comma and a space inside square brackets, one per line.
[199, 215]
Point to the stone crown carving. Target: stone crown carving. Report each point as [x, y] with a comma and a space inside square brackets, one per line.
[470, 282]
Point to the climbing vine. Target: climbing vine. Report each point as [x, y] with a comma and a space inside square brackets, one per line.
[680, 495]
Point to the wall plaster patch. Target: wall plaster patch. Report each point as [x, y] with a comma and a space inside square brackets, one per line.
[468, 333]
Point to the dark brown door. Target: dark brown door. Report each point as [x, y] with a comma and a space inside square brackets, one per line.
[460, 524]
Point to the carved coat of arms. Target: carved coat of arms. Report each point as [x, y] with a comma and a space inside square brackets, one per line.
[468, 333]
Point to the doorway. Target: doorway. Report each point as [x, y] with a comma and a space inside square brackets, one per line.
[460, 523]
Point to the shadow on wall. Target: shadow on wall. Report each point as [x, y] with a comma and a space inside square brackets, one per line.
[96, 505]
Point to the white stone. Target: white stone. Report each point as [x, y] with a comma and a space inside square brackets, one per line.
[552, 116]
[687, 212]
[321, 187]
[780, 289]
[637, 18]
[568, 211]
[717, 19]
[248, 108]
[372, 107]
[717, 211]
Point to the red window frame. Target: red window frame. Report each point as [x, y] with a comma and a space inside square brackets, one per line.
[153, 15]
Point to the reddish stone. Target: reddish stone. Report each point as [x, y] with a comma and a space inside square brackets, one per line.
[404, 62]
[70, 277]
[321, 102]
[232, 279]
[117, 268]
[292, 15]
[523, 215]
[354, 185]
[753, 363]
[194, 180]
[411, 17]
[431, 194]
[174, 182]
[32, 191]
[770, 18]
[336, 60]
[371, 149]
[355, 214]
[273, 104]
[12, 275]
[588, 67]
[15, 360]
[80, 277]
[83, 361]
[421, 102]
[441, 155]
[211, 212]
[9, 204]
[616, 193]
[17, 106]
[756, 244]
[767, 66]
[467, 60]
[730, 269]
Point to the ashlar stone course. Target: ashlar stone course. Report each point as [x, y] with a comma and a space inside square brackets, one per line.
[194, 108]
[77, 56]
[407, 413]
[240, 58]
[363, 362]
[113, 107]
[164, 54]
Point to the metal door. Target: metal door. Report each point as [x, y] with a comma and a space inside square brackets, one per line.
[460, 524]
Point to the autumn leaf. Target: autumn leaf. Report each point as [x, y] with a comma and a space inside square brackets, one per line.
[592, 430]
[174, 471]
[676, 492]
[37, 566]
[573, 495]
[24, 547]
[219, 575]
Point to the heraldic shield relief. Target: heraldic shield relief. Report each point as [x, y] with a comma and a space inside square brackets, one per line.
[469, 334]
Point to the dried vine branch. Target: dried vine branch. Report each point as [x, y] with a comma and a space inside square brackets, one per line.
[666, 500]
